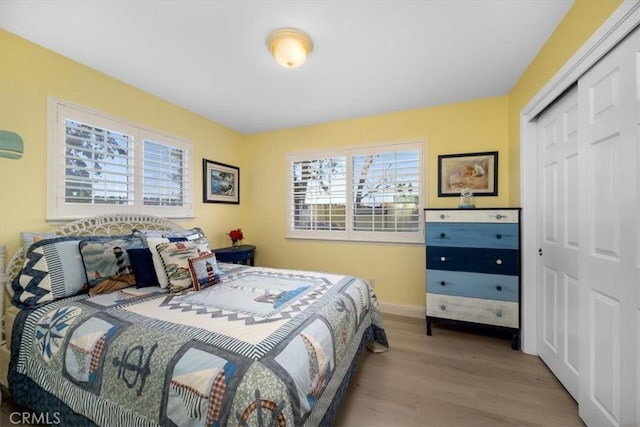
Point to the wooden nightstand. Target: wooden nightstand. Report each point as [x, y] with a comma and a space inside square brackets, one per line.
[243, 254]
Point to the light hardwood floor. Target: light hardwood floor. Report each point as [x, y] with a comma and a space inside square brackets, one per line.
[452, 378]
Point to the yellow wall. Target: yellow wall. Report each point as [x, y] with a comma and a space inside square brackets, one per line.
[582, 20]
[397, 269]
[30, 73]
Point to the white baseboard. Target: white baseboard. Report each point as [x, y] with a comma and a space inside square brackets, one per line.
[416, 311]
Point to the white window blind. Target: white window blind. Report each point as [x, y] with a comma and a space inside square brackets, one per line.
[163, 169]
[319, 194]
[99, 165]
[370, 193]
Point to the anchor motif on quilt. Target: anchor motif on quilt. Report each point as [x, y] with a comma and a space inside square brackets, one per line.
[127, 366]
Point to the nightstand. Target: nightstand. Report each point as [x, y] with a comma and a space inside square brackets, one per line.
[243, 254]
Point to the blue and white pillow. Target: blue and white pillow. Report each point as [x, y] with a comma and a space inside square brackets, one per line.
[52, 269]
[28, 238]
[191, 234]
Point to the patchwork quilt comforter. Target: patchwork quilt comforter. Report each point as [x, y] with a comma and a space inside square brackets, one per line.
[264, 347]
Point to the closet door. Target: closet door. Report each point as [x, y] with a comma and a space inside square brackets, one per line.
[559, 242]
[637, 210]
[608, 177]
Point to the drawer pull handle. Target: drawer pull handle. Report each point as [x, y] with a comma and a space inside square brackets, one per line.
[443, 283]
[499, 287]
[498, 236]
[443, 259]
[499, 261]
[499, 313]
[443, 307]
[442, 235]
[442, 216]
[498, 216]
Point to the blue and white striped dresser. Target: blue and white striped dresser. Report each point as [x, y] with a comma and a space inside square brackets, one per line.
[473, 268]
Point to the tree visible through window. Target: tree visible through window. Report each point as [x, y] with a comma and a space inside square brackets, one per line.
[366, 194]
[99, 165]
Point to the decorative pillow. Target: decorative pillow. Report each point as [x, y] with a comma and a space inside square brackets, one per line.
[142, 266]
[28, 238]
[113, 284]
[177, 239]
[158, 266]
[175, 257]
[191, 234]
[203, 271]
[107, 259]
[52, 269]
[149, 233]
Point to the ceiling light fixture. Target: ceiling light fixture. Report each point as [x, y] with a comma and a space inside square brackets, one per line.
[289, 47]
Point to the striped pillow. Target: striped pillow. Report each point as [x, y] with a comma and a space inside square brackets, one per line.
[52, 269]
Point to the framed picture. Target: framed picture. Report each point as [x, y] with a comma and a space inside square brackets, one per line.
[475, 171]
[220, 183]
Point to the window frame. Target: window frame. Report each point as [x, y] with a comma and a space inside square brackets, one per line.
[349, 234]
[59, 210]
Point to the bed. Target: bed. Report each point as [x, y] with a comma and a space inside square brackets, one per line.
[252, 346]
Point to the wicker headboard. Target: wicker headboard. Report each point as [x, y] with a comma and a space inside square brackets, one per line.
[97, 226]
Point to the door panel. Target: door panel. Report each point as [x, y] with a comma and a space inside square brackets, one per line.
[560, 240]
[608, 196]
[604, 351]
[637, 209]
[572, 313]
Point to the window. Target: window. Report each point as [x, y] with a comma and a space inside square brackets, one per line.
[99, 164]
[371, 193]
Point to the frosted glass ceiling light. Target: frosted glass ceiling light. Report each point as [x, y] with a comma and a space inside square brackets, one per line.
[289, 47]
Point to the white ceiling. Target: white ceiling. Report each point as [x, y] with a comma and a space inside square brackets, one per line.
[370, 57]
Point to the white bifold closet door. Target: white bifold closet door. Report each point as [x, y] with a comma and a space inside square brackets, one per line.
[608, 201]
[560, 240]
[589, 213]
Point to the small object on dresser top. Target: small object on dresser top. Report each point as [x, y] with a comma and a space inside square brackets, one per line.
[466, 199]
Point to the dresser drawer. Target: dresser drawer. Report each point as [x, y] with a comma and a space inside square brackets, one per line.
[472, 235]
[472, 215]
[476, 285]
[488, 312]
[491, 261]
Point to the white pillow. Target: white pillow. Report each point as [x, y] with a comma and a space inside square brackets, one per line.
[158, 266]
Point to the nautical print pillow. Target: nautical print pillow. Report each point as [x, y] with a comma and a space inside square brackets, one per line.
[175, 257]
[204, 271]
[107, 259]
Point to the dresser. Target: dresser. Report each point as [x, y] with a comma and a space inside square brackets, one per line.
[473, 268]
